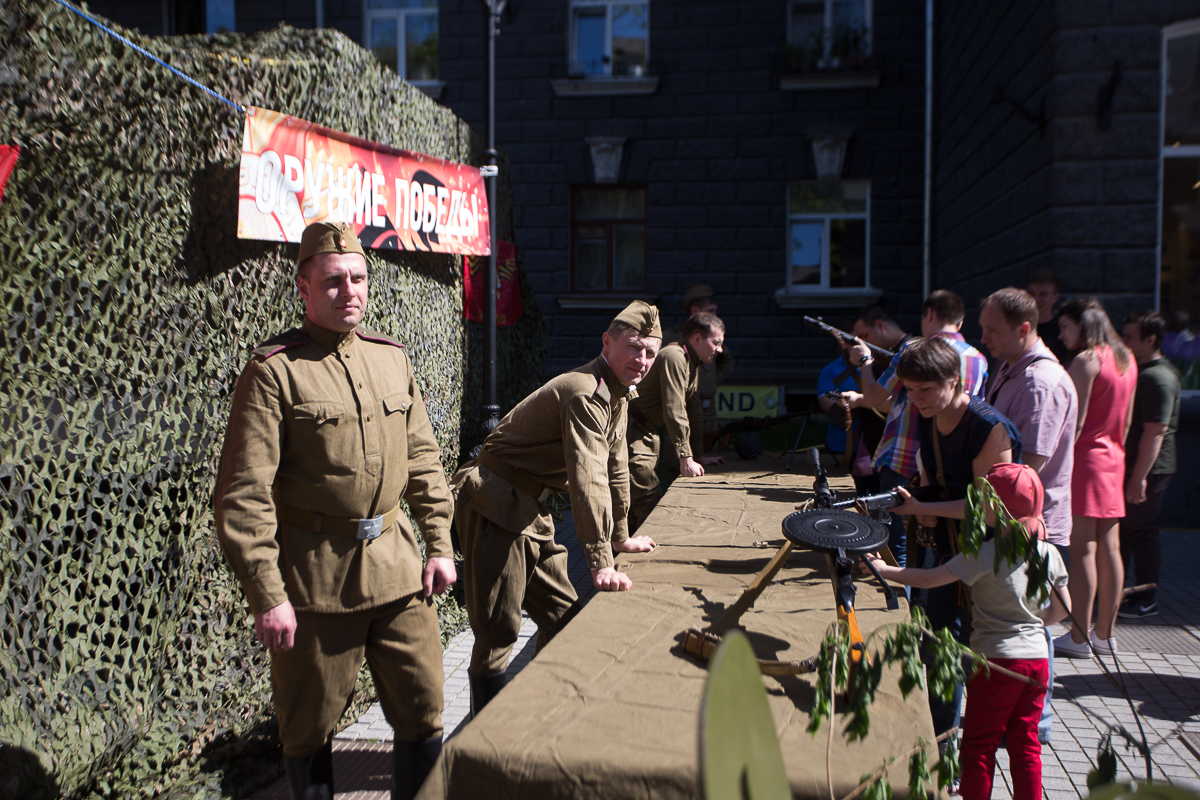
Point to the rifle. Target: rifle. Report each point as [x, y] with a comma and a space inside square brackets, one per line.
[847, 337]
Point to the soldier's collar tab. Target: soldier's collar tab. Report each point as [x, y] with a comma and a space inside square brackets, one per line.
[327, 339]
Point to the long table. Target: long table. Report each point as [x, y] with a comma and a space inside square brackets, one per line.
[611, 707]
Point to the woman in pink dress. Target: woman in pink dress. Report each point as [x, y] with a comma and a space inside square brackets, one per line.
[1105, 376]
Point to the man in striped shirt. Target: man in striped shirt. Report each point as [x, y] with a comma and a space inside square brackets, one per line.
[896, 457]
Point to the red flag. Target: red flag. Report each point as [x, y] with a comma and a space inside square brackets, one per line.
[8, 160]
[508, 288]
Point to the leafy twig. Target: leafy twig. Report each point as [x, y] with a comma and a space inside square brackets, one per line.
[862, 787]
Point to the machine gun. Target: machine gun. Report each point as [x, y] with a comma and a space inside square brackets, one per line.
[843, 536]
[840, 530]
[747, 444]
[876, 505]
[849, 338]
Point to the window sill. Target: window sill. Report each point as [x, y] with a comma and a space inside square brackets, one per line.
[617, 300]
[604, 87]
[830, 80]
[432, 88]
[826, 298]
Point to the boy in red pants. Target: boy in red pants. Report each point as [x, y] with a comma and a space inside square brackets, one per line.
[1008, 632]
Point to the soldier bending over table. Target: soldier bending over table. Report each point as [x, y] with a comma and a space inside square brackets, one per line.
[569, 434]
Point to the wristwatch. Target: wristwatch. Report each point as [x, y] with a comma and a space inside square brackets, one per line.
[867, 359]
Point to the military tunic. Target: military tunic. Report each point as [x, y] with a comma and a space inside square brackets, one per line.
[568, 435]
[668, 396]
[712, 375]
[326, 429]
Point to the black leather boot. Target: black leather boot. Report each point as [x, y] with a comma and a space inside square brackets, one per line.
[311, 777]
[411, 763]
[484, 688]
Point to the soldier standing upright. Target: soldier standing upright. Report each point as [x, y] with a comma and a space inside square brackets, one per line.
[326, 434]
[567, 435]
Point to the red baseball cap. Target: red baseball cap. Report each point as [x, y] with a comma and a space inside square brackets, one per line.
[1020, 489]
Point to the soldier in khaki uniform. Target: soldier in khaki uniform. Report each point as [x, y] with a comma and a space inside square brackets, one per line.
[326, 434]
[567, 435]
[669, 396]
[699, 299]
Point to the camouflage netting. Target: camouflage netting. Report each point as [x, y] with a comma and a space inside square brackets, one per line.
[128, 658]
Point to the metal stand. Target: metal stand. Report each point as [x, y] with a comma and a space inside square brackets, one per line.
[491, 408]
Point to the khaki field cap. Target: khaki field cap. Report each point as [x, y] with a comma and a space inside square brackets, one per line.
[642, 317]
[695, 293]
[328, 237]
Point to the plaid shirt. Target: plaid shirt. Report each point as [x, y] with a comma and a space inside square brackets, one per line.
[898, 448]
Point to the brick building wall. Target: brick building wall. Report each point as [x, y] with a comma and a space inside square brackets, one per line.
[1078, 194]
[715, 146]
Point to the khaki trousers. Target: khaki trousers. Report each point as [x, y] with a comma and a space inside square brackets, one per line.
[313, 681]
[644, 489]
[504, 572]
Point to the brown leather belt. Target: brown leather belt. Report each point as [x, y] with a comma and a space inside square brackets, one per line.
[365, 529]
[514, 476]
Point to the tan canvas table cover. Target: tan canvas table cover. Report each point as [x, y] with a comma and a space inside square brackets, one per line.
[611, 708]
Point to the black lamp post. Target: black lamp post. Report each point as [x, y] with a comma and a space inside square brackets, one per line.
[491, 408]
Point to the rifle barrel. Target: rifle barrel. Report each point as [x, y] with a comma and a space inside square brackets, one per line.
[848, 337]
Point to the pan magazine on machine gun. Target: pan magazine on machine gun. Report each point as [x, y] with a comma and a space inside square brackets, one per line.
[850, 338]
[833, 528]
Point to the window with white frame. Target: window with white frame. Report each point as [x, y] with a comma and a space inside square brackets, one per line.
[403, 34]
[829, 237]
[609, 38]
[829, 34]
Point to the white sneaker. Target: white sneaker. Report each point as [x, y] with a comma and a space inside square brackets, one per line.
[1066, 646]
[1103, 646]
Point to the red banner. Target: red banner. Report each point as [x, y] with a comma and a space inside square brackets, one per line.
[295, 173]
[8, 160]
[508, 288]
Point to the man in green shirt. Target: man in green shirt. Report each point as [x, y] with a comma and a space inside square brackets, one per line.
[1149, 456]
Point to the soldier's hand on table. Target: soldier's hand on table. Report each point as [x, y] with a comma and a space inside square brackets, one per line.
[709, 461]
[635, 544]
[276, 627]
[439, 575]
[609, 580]
[690, 467]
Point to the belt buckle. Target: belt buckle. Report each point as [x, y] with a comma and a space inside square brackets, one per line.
[369, 529]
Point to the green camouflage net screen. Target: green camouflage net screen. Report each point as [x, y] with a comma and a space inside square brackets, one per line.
[128, 657]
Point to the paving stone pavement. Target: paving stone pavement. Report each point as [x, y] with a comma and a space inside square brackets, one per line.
[1164, 686]
[371, 726]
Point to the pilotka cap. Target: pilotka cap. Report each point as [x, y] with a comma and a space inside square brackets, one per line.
[697, 292]
[328, 237]
[642, 317]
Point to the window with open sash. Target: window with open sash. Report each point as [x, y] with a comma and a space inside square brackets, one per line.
[828, 242]
[609, 38]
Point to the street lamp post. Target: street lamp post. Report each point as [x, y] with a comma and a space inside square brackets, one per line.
[491, 408]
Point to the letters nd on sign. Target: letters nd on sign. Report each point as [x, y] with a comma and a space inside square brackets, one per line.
[736, 402]
[294, 173]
